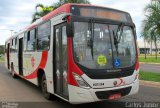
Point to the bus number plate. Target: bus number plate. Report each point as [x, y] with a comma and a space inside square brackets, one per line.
[115, 96]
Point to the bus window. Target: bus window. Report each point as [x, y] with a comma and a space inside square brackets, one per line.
[25, 42]
[65, 60]
[31, 40]
[93, 52]
[126, 50]
[16, 44]
[44, 36]
[13, 45]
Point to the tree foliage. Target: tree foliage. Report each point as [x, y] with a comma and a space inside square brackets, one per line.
[151, 25]
[46, 9]
[1, 49]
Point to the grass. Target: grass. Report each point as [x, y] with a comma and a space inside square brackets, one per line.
[149, 55]
[1, 59]
[150, 76]
[149, 59]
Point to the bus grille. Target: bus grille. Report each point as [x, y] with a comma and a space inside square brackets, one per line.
[106, 94]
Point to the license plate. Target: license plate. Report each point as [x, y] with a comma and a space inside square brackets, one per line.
[115, 96]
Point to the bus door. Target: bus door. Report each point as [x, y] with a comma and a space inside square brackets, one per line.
[20, 56]
[60, 61]
[8, 58]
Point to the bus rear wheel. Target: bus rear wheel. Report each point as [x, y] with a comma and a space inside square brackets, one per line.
[44, 88]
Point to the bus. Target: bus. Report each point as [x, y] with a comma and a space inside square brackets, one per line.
[80, 53]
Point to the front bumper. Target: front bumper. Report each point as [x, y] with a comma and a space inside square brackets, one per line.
[79, 95]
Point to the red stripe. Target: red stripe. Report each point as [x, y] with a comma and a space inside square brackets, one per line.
[32, 26]
[137, 65]
[72, 67]
[64, 8]
[41, 65]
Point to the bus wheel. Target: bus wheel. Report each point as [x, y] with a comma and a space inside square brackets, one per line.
[12, 71]
[44, 88]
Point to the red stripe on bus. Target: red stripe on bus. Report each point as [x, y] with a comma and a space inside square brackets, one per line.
[32, 26]
[41, 65]
[72, 67]
[137, 65]
[63, 9]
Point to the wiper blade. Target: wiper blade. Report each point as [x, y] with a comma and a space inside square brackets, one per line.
[90, 43]
[92, 50]
[117, 37]
[115, 42]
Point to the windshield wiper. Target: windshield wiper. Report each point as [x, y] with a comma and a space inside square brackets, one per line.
[91, 38]
[117, 36]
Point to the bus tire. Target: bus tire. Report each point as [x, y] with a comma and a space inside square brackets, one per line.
[12, 71]
[44, 88]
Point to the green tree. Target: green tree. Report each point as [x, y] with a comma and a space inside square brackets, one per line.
[74, 1]
[151, 25]
[1, 49]
[43, 11]
[46, 9]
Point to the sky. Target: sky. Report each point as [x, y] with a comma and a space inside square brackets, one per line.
[17, 14]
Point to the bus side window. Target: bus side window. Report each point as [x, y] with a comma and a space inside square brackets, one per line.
[64, 48]
[43, 40]
[64, 60]
[25, 42]
[13, 45]
[16, 44]
[31, 40]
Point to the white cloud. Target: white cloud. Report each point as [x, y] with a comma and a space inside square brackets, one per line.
[3, 27]
[4, 35]
[26, 7]
[16, 15]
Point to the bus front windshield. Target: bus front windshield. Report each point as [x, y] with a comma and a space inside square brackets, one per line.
[103, 46]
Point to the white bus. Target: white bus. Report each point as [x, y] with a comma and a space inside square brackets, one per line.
[80, 53]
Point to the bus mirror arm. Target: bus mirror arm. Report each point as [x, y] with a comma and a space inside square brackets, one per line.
[69, 29]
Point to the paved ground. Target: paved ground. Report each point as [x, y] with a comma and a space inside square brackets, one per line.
[19, 90]
[150, 67]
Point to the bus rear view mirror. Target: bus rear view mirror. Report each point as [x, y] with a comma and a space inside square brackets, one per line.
[69, 30]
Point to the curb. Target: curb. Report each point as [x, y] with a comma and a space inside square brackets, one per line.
[149, 63]
[150, 83]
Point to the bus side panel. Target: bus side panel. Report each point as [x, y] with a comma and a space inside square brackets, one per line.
[31, 61]
[6, 55]
[49, 65]
[14, 61]
[15, 58]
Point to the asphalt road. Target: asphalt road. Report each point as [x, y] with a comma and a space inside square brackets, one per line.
[27, 95]
[150, 67]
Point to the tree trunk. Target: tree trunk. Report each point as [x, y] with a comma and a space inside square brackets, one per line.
[155, 42]
[145, 48]
[156, 50]
[151, 47]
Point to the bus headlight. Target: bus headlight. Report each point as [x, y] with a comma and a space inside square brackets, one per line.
[81, 81]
